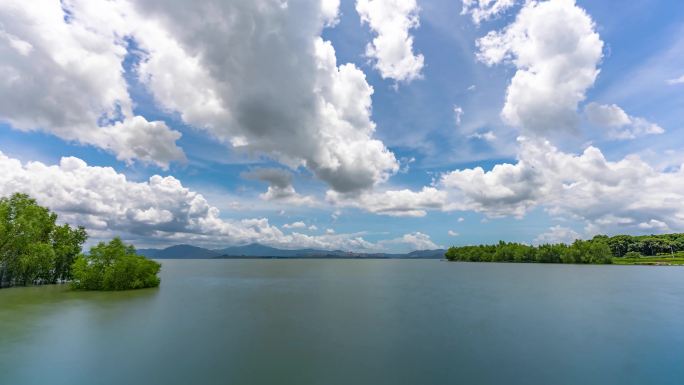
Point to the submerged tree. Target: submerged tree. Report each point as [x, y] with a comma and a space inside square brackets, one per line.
[114, 266]
[33, 248]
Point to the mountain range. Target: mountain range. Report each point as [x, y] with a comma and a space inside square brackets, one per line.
[256, 250]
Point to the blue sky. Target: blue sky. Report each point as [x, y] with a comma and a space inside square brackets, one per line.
[641, 46]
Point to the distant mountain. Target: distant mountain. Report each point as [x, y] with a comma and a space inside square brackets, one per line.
[437, 253]
[180, 252]
[256, 250]
[149, 253]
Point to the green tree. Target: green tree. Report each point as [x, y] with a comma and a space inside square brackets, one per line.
[66, 242]
[33, 249]
[25, 230]
[114, 266]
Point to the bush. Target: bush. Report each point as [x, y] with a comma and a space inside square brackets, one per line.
[633, 254]
[114, 266]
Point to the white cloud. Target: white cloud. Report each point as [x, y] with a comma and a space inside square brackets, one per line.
[556, 51]
[21, 46]
[330, 11]
[621, 125]
[606, 115]
[608, 196]
[557, 234]
[458, 113]
[280, 186]
[453, 233]
[392, 48]
[158, 211]
[393, 202]
[295, 225]
[415, 241]
[654, 224]
[461, 219]
[313, 228]
[483, 10]
[136, 138]
[488, 136]
[283, 97]
[679, 80]
[66, 78]
[627, 195]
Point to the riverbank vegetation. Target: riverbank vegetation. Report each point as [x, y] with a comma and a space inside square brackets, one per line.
[666, 249]
[578, 252]
[34, 250]
[114, 266]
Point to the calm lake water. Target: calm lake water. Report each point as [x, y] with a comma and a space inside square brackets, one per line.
[353, 322]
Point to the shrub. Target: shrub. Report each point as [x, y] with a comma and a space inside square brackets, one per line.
[114, 266]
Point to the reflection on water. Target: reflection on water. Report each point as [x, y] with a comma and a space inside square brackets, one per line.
[353, 322]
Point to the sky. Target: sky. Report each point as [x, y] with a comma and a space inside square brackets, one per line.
[362, 125]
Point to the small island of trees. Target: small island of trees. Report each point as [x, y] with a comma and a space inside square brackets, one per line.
[602, 249]
[34, 250]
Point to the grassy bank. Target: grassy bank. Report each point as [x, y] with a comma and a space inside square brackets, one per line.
[653, 261]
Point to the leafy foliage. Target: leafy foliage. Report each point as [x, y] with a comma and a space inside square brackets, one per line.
[599, 250]
[646, 245]
[595, 251]
[33, 248]
[114, 266]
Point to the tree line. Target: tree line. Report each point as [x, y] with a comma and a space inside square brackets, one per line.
[34, 249]
[601, 249]
[578, 252]
[644, 245]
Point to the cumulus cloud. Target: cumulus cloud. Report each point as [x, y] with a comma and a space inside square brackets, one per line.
[610, 196]
[453, 233]
[392, 48]
[414, 241]
[280, 186]
[556, 51]
[277, 90]
[620, 125]
[160, 210]
[654, 224]
[64, 75]
[557, 234]
[295, 225]
[626, 195]
[505, 190]
[396, 203]
[483, 10]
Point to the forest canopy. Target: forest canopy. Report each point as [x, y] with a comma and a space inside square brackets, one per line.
[114, 266]
[34, 249]
[601, 249]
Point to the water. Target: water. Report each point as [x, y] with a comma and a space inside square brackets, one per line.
[354, 322]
